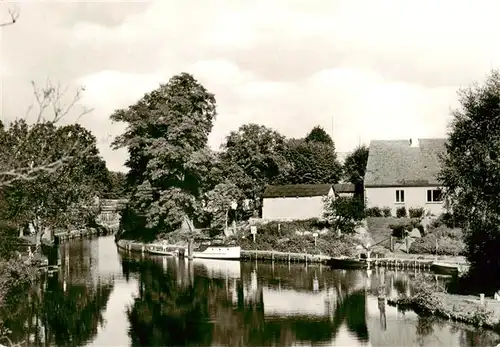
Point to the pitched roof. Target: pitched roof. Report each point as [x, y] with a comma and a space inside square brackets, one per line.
[297, 190]
[396, 163]
[344, 188]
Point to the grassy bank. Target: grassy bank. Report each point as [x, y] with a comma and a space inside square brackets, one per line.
[450, 241]
[428, 299]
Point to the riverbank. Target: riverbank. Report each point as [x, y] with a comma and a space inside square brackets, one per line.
[60, 236]
[427, 299]
[399, 261]
[135, 246]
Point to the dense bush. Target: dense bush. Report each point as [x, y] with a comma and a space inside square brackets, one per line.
[401, 212]
[291, 227]
[15, 274]
[386, 211]
[416, 212]
[400, 229]
[327, 244]
[430, 299]
[450, 242]
[449, 220]
[373, 212]
[344, 213]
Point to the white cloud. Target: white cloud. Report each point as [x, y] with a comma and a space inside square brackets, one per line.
[378, 69]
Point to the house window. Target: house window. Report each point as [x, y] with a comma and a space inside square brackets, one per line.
[434, 195]
[400, 195]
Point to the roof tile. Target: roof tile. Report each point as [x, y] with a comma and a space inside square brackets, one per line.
[396, 163]
[297, 190]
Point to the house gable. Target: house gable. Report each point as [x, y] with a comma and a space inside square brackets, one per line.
[398, 164]
[344, 188]
[297, 190]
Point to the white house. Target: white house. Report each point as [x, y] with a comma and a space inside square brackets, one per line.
[295, 202]
[404, 173]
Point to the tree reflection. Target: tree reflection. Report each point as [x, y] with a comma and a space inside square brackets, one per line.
[167, 315]
[201, 311]
[47, 314]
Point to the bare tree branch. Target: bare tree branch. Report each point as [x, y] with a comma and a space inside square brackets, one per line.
[13, 16]
[50, 109]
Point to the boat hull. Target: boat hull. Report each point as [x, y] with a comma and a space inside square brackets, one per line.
[161, 250]
[444, 269]
[217, 252]
[338, 263]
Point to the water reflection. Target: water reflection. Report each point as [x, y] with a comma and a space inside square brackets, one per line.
[101, 297]
[64, 309]
[218, 303]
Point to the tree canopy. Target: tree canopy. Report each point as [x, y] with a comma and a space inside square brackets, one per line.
[312, 163]
[470, 171]
[354, 168]
[253, 157]
[166, 137]
[319, 135]
[60, 198]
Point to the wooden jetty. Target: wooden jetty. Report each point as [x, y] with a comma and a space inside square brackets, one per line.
[289, 257]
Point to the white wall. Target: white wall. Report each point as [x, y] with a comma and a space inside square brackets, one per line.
[292, 208]
[414, 197]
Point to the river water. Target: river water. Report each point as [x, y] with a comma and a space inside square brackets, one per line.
[102, 297]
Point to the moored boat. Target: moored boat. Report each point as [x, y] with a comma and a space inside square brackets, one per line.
[445, 268]
[217, 251]
[347, 263]
[162, 249]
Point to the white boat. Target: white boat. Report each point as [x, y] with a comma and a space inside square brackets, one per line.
[162, 249]
[217, 251]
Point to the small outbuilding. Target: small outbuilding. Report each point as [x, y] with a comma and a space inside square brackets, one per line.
[344, 190]
[295, 202]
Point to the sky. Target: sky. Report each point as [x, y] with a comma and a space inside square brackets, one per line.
[361, 69]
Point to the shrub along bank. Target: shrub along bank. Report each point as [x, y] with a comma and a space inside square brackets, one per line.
[429, 299]
[297, 236]
[449, 239]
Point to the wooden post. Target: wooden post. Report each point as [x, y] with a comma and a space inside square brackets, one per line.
[391, 246]
[190, 248]
[227, 216]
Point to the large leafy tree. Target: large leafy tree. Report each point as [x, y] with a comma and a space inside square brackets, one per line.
[115, 185]
[354, 168]
[166, 137]
[344, 213]
[312, 162]
[253, 157]
[58, 198]
[219, 201]
[470, 171]
[319, 135]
